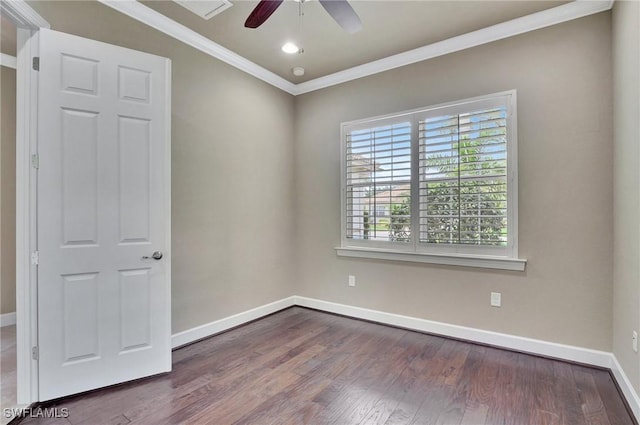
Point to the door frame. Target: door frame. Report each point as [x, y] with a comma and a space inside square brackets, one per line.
[28, 22]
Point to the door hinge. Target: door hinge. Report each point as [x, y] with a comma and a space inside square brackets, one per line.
[34, 353]
[35, 258]
[36, 63]
[35, 161]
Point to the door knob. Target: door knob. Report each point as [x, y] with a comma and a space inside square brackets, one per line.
[157, 255]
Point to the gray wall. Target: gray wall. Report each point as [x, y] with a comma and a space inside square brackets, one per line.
[7, 190]
[563, 78]
[626, 67]
[232, 166]
[7, 171]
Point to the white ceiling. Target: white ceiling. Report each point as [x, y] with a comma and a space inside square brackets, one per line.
[389, 27]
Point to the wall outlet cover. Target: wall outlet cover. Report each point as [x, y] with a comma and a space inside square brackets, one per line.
[496, 299]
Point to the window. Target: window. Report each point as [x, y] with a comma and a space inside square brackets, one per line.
[438, 181]
[379, 182]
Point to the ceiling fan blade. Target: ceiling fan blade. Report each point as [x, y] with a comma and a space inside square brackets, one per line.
[261, 13]
[342, 12]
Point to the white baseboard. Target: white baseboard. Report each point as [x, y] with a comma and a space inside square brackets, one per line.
[527, 345]
[7, 319]
[627, 389]
[194, 334]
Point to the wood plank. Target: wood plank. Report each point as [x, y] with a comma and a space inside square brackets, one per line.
[426, 367]
[455, 409]
[440, 390]
[565, 391]
[592, 405]
[283, 407]
[485, 381]
[547, 409]
[404, 385]
[503, 404]
[614, 405]
[351, 383]
[475, 414]
[378, 380]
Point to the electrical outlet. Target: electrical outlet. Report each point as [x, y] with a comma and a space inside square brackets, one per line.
[634, 341]
[352, 280]
[496, 299]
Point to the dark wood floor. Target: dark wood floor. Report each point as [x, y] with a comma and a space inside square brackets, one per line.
[305, 367]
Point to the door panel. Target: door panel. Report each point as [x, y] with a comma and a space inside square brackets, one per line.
[134, 143]
[80, 302]
[79, 75]
[133, 84]
[135, 312]
[79, 190]
[103, 205]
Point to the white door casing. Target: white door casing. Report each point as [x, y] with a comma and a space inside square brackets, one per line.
[103, 204]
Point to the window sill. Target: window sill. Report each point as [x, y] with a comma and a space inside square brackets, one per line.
[482, 261]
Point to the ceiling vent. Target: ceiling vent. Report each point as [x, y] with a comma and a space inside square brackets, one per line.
[206, 9]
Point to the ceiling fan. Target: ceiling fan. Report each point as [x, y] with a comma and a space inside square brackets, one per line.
[340, 10]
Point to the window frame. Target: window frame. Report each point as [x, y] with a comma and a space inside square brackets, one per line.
[504, 257]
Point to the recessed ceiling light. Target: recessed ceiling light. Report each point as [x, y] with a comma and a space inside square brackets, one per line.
[298, 71]
[290, 48]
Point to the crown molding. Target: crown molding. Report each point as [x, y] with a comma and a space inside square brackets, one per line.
[22, 14]
[566, 12]
[160, 22]
[557, 15]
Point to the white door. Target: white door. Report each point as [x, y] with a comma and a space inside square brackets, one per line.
[103, 206]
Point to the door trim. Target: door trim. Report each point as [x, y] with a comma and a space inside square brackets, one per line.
[23, 15]
[28, 22]
[26, 231]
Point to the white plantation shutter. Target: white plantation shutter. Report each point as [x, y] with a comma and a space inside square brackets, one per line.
[463, 178]
[378, 182]
[439, 180]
